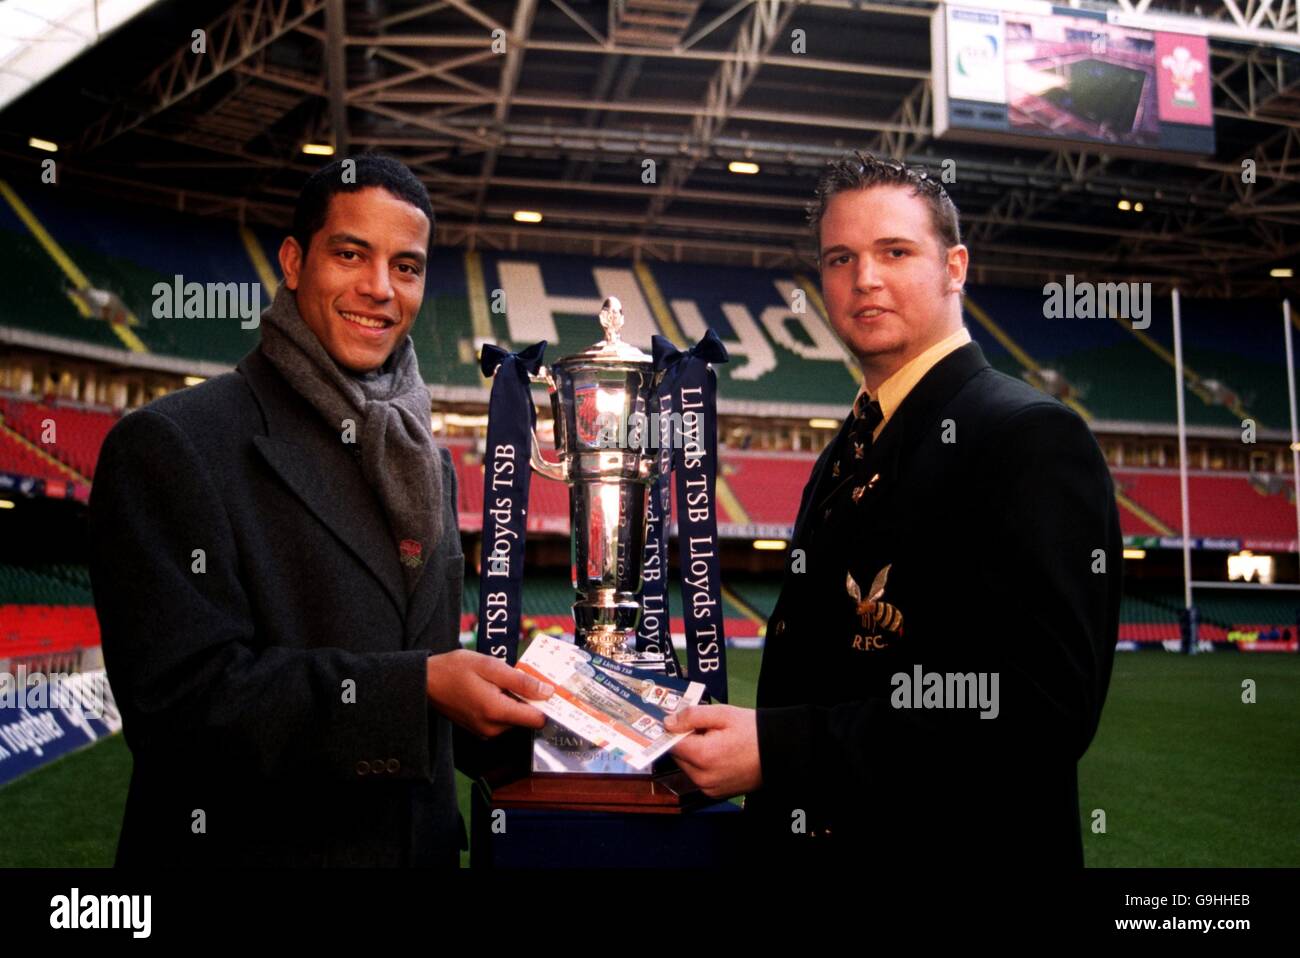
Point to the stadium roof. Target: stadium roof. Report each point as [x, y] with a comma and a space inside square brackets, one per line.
[37, 37]
[555, 105]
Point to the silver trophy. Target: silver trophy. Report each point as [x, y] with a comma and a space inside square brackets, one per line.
[600, 398]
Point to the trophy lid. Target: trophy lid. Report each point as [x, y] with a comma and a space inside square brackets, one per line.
[612, 349]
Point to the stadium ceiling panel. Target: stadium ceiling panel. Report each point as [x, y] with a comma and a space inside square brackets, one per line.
[620, 121]
[37, 37]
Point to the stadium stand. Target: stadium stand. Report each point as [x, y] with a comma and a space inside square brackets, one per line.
[783, 353]
[45, 610]
[783, 363]
[1226, 615]
[79, 432]
[18, 456]
[766, 485]
[1219, 505]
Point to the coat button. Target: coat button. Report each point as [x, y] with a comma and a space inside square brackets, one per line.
[780, 627]
[363, 767]
[392, 766]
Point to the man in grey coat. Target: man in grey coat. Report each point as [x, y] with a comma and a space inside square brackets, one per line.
[277, 572]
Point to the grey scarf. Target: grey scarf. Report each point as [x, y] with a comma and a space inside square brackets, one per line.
[390, 408]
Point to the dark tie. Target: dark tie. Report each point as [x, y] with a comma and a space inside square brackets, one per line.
[866, 416]
[851, 459]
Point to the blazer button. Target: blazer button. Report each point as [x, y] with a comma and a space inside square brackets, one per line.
[393, 765]
[377, 766]
[363, 767]
[780, 627]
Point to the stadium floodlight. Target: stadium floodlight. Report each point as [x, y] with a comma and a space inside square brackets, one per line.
[824, 423]
[1124, 205]
[527, 216]
[6, 503]
[318, 149]
[1135, 553]
[49, 146]
[1137, 207]
[1281, 272]
[740, 166]
[769, 545]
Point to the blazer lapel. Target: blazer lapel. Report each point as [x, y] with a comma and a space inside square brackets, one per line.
[430, 590]
[916, 413]
[812, 489]
[321, 471]
[912, 416]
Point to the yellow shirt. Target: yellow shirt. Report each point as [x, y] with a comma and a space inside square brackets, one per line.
[894, 390]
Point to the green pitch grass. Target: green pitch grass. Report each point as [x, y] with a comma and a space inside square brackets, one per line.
[1186, 774]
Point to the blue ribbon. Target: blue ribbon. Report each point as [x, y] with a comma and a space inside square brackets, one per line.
[691, 386]
[506, 479]
[654, 632]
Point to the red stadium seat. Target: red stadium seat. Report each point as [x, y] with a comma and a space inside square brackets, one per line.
[79, 433]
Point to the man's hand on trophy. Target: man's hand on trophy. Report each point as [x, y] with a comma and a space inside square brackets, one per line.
[722, 756]
[471, 689]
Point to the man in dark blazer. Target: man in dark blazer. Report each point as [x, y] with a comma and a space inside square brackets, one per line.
[277, 572]
[937, 660]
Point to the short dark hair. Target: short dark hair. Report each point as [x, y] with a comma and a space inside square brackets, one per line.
[862, 171]
[370, 169]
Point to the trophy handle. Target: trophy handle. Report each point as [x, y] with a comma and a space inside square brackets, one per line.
[551, 470]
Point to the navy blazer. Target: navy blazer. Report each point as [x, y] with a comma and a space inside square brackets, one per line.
[990, 523]
[269, 665]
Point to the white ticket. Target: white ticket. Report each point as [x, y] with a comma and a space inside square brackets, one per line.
[615, 707]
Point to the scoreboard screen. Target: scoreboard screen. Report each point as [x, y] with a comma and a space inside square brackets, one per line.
[1041, 71]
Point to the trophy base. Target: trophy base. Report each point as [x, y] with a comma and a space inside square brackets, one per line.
[571, 774]
[506, 781]
[667, 793]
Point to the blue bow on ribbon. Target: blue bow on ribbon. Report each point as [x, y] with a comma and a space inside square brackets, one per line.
[666, 355]
[491, 356]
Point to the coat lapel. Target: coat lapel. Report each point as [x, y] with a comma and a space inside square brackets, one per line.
[432, 587]
[913, 416]
[322, 473]
[811, 490]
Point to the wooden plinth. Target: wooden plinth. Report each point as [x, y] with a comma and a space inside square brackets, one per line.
[669, 793]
